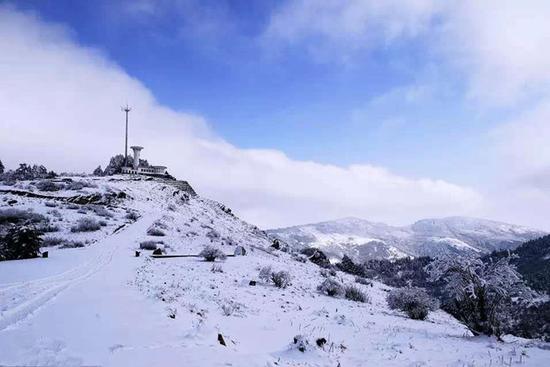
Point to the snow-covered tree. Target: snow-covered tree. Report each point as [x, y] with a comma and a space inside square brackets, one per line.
[1, 167]
[20, 242]
[98, 171]
[482, 293]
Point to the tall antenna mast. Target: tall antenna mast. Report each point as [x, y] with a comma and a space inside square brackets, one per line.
[126, 110]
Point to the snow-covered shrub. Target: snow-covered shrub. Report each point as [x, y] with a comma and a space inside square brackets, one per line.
[300, 342]
[73, 207]
[133, 216]
[82, 211]
[20, 242]
[17, 216]
[327, 273]
[212, 235]
[265, 274]
[52, 241]
[148, 245]
[102, 212]
[481, 293]
[415, 302]
[50, 204]
[102, 223]
[48, 228]
[281, 279]
[331, 287]
[210, 253]
[300, 258]
[229, 308]
[72, 244]
[363, 281]
[154, 231]
[353, 293]
[86, 225]
[48, 185]
[216, 269]
[55, 213]
[316, 256]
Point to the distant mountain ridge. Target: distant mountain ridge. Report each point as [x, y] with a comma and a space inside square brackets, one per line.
[362, 239]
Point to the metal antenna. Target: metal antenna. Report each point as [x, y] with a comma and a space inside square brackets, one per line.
[126, 110]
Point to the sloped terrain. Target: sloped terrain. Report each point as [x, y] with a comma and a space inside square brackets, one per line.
[362, 240]
[101, 305]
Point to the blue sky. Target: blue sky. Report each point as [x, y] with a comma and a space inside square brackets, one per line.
[283, 98]
[409, 108]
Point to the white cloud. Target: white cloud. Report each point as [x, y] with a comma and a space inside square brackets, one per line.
[60, 106]
[499, 45]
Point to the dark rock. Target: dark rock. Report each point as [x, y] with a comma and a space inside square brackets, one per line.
[157, 252]
[137, 253]
[45, 254]
[239, 251]
[252, 282]
[276, 244]
[221, 340]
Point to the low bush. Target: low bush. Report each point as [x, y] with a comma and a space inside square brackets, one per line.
[132, 216]
[102, 223]
[216, 269]
[17, 216]
[331, 287]
[48, 185]
[52, 241]
[415, 302]
[20, 242]
[363, 281]
[72, 244]
[353, 293]
[210, 253]
[148, 245]
[154, 231]
[265, 274]
[50, 204]
[86, 225]
[281, 279]
[48, 228]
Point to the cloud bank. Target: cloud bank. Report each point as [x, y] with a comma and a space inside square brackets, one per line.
[60, 106]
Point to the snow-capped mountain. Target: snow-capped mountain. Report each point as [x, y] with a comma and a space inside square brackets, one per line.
[363, 240]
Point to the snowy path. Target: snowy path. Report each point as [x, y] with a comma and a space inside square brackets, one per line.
[89, 311]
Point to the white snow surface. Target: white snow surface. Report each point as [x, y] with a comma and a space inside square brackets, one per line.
[101, 305]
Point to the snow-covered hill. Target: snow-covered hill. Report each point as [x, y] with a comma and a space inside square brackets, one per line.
[100, 305]
[362, 239]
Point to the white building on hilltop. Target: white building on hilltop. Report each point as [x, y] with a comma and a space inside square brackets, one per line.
[137, 169]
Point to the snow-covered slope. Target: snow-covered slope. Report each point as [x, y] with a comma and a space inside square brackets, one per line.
[362, 239]
[101, 305]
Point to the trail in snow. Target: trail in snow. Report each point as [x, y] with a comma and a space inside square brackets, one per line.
[21, 299]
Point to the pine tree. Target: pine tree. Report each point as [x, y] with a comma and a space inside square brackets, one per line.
[21, 242]
[98, 171]
[1, 167]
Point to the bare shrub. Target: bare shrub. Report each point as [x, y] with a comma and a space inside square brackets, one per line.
[47, 185]
[17, 216]
[331, 287]
[154, 231]
[72, 244]
[353, 293]
[216, 269]
[415, 302]
[265, 274]
[132, 216]
[281, 279]
[48, 228]
[210, 253]
[148, 245]
[86, 225]
[52, 241]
